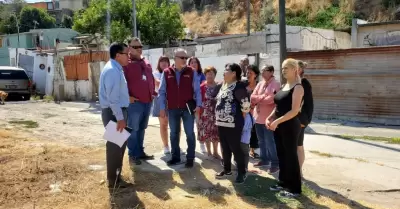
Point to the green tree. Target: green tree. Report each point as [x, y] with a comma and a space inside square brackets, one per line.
[9, 25]
[67, 21]
[157, 24]
[31, 18]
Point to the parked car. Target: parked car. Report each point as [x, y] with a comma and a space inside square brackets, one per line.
[15, 82]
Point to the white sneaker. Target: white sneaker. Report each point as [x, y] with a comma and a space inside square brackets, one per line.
[203, 148]
[167, 150]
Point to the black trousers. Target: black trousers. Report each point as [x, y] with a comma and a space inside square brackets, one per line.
[253, 138]
[286, 139]
[230, 143]
[114, 153]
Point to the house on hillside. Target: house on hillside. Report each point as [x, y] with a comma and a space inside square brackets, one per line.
[39, 38]
[58, 8]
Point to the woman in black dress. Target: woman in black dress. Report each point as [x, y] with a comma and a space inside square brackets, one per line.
[286, 125]
[306, 113]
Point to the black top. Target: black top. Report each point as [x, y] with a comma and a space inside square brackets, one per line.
[232, 101]
[307, 109]
[283, 101]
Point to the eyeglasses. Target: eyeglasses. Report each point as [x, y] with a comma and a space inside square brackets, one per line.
[182, 58]
[136, 47]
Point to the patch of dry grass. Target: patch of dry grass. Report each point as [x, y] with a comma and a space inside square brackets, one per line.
[207, 22]
[30, 167]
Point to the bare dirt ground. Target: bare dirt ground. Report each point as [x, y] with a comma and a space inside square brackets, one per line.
[52, 156]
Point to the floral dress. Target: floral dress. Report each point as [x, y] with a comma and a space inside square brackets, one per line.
[208, 131]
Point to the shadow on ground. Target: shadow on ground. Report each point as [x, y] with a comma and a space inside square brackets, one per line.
[335, 196]
[125, 198]
[160, 180]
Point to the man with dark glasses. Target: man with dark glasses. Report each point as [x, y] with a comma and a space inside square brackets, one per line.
[141, 87]
[179, 94]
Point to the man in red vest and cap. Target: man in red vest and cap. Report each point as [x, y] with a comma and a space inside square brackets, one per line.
[179, 94]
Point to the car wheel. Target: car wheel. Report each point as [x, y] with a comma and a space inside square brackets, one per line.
[27, 97]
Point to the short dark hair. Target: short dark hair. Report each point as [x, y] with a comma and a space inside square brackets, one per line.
[116, 48]
[255, 69]
[235, 68]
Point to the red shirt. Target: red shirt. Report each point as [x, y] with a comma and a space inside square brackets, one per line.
[139, 76]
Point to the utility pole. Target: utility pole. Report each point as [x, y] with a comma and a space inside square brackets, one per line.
[17, 24]
[134, 18]
[282, 33]
[248, 17]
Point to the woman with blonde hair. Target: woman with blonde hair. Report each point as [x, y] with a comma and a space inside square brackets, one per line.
[285, 123]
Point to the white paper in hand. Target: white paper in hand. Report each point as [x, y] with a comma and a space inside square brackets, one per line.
[112, 135]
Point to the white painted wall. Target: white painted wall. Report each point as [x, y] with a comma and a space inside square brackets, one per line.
[207, 55]
[40, 75]
[306, 38]
[49, 74]
[152, 55]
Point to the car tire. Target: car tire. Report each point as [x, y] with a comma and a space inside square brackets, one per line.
[27, 97]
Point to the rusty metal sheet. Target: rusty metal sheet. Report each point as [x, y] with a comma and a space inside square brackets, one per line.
[359, 84]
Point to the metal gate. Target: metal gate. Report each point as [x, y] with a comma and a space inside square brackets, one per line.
[26, 63]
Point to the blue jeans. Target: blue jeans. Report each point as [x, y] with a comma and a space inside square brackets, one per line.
[174, 119]
[138, 118]
[267, 145]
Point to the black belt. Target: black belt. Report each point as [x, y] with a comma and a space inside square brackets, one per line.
[124, 108]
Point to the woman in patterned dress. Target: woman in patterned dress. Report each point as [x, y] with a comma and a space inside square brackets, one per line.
[208, 131]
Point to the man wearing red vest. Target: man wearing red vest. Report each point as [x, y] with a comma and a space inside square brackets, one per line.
[179, 94]
[141, 86]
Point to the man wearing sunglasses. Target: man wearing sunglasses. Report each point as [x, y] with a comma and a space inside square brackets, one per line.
[179, 94]
[141, 87]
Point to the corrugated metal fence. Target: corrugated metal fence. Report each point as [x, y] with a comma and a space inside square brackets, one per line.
[77, 66]
[360, 84]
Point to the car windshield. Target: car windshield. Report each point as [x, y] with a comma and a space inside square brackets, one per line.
[13, 74]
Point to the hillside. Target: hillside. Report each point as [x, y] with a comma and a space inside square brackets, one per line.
[229, 16]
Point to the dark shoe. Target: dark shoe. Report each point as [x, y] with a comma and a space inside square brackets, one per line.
[134, 161]
[146, 157]
[273, 170]
[240, 178]
[173, 161]
[276, 188]
[223, 174]
[189, 164]
[287, 194]
[254, 155]
[259, 164]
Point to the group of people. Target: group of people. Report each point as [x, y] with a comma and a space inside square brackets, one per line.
[241, 115]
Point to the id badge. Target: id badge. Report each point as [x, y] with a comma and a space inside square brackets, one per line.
[144, 77]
